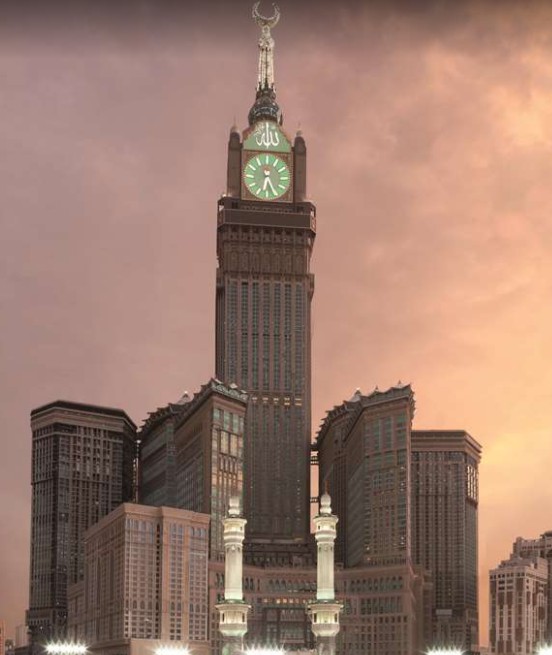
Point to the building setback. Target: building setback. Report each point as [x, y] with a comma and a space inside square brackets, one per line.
[82, 468]
[518, 605]
[444, 484]
[146, 578]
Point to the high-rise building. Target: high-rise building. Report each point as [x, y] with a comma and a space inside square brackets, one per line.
[364, 454]
[265, 236]
[82, 468]
[156, 468]
[208, 438]
[540, 547]
[518, 605]
[2, 638]
[363, 451]
[329, 452]
[444, 484]
[146, 579]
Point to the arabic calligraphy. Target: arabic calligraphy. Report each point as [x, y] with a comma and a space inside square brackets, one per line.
[267, 136]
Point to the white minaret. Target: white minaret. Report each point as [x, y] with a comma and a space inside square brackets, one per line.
[233, 611]
[324, 612]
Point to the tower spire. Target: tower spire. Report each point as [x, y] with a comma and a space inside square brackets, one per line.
[265, 106]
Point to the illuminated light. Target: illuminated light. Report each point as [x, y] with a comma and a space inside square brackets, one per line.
[172, 650]
[452, 650]
[265, 651]
[545, 649]
[65, 648]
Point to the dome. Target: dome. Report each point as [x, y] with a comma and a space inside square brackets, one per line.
[265, 107]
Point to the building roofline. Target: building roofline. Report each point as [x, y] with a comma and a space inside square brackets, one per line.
[213, 386]
[129, 508]
[356, 407]
[443, 434]
[82, 407]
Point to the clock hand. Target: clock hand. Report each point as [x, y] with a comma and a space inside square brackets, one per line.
[271, 185]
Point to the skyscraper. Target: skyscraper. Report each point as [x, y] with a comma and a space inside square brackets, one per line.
[82, 468]
[265, 236]
[364, 456]
[209, 455]
[445, 495]
[364, 450]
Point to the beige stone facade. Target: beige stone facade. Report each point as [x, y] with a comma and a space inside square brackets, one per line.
[381, 606]
[518, 605]
[145, 582]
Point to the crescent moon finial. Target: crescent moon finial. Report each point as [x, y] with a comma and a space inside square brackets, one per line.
[264, 21]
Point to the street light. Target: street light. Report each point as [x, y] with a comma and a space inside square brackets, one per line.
[65, 648]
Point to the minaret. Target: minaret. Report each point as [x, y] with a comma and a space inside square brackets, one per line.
[233, 611]
[324, 612]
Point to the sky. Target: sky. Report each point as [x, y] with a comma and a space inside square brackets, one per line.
[429, 135]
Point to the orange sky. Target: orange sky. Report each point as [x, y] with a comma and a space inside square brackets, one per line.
[429, 131]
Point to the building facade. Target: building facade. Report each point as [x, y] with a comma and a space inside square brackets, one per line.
[364, 455]
[540, 547]
[208, 438]
[265, 236]
[518, 603]
[363, 449]
[145, 579]
[157, 463]
[82, 468]
[445, 496]
[21, 636]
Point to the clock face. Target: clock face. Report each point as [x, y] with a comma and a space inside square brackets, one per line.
[266, 176]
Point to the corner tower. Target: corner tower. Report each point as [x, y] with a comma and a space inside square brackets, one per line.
[265, 236]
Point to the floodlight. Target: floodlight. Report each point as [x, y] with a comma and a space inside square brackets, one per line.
[172, 650]
[65, 648]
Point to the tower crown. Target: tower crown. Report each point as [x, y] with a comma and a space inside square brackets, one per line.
[265, 106]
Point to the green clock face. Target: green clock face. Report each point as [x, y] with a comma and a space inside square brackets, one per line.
[266, 176]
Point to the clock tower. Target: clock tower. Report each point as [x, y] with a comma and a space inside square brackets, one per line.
[265, 236]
